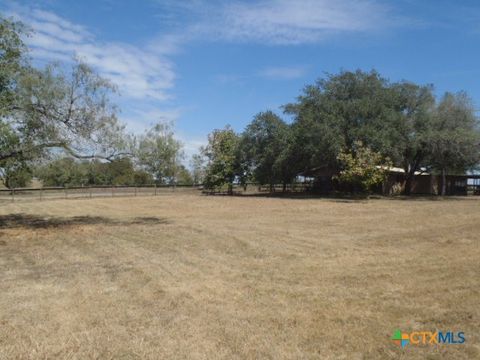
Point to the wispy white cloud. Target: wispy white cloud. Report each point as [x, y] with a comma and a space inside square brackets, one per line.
[59, 27]
[269, 72]
[148, 72]
[301, 21]
[284, 72]
[282, 22]
[139, 72]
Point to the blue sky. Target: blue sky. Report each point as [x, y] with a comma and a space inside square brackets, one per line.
[204, 64]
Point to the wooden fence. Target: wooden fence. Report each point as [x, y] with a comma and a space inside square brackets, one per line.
[46, 193]
[255, 188]
[84, 192]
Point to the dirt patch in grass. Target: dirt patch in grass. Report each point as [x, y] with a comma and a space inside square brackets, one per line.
[22, 220]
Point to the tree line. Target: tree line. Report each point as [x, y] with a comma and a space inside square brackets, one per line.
[355, 126]
[58, 123]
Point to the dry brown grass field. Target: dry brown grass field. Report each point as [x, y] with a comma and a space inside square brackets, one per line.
[209, 277]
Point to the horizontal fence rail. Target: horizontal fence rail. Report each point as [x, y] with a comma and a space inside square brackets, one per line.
[255, 188]
[84, 192]
[77, 192]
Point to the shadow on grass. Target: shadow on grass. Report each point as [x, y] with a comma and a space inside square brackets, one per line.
[38, 222]
[306, 196]
[347, 198]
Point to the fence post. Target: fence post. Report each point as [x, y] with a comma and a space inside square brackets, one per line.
[155, 189]
[90, 188]
[66, 194]
[13, 194]
[41, 194]
[112, 191]
[135, 191]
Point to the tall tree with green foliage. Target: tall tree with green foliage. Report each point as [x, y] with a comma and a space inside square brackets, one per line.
[393, 119]
[334, 113]
[406, 134]
[197, 164]
[160, 153]
[52, 109]
[14, 173]
[222, 159]
[67, 111]
[455, 137]
[261, 147]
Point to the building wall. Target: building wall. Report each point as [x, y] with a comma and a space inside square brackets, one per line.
[426, 184]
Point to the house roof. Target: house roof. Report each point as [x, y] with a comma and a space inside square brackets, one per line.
[398, 170]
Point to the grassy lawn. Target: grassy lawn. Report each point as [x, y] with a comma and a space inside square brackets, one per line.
[197, 277]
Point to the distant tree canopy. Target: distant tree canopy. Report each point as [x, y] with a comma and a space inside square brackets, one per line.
[197, 164]
[71, 172]
[399, 121]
